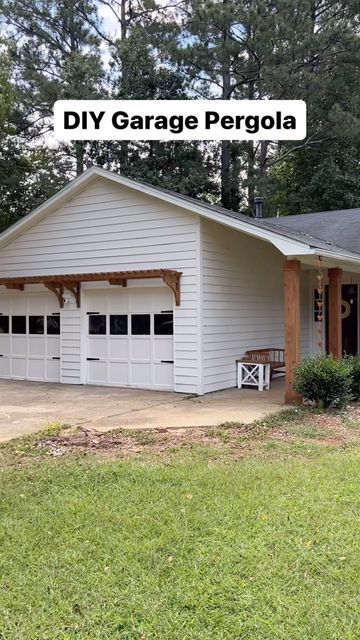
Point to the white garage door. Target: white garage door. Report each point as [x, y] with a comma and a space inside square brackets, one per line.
[129, 336]
[29, 336]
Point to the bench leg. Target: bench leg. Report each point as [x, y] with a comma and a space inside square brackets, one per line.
[267, 377]
[261, 377]
[239, 376]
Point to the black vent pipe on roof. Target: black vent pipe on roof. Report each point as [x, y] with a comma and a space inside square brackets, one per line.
[259, 201]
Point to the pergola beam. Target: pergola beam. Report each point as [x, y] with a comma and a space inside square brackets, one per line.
[19, 287]
[72, 282]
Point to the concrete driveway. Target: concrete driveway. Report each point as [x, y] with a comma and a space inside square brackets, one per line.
[27, 407]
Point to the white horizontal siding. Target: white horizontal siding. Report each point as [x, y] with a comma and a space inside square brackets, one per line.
[242, 300]
[70, 346]
[107, 227]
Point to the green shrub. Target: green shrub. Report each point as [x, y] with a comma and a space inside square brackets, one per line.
[354, 362]
[325, 380]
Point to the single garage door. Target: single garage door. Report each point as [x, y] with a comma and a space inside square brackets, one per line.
[129, 337]
[29, 336]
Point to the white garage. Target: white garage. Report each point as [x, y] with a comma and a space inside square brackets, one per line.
[30, 336]
[131, 285]
[129, 337]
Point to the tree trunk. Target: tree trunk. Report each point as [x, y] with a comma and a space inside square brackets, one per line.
[251, 175]
[79, 156]
[226, 196]
[124, 145]
[225, 175]
[264, 145]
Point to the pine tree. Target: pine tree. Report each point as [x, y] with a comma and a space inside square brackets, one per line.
[261, 49]
[57, 57]
[28, 173]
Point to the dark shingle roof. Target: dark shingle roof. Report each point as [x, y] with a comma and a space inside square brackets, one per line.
[301, 231]
[341, 228]
[299, 228]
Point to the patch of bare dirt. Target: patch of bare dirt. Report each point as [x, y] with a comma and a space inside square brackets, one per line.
[125, 444]
[323, 429]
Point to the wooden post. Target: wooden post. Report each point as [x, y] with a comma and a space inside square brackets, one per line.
[292, 327]
[334, 311]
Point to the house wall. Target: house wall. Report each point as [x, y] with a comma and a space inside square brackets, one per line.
[71, 345]
[314, 337]
[231, 287]
[108, 227]
[242, 301]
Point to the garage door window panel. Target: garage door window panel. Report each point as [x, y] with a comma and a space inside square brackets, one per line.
[4, 324]
[36, 325]
[53, 325]
[18, 325]
[163, 324]
[140, 324]
[118, 325]
[97, 325]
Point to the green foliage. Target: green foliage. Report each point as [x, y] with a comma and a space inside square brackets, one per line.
[28, 173]
[254, 50]
[27, 178]
[56, 53]
[354, 362]
[324, 380]
[324, 176]
[229, 50]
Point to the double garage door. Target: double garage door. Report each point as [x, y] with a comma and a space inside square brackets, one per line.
[129, 337]
[30, 337]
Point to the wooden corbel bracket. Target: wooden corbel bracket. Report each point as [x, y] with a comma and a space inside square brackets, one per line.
[58, 289]
[75, 289]
[172, 279]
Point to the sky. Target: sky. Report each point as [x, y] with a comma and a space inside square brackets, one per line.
[110, 23]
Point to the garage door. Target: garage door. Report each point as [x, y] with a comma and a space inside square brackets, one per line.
[129, 336]
[29, 337]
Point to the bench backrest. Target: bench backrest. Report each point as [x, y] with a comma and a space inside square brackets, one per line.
[272, 355]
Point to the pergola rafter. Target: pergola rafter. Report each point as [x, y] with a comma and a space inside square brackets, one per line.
[72, 282]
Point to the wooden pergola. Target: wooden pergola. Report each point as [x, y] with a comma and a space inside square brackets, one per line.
[72, 282]
[292, 321]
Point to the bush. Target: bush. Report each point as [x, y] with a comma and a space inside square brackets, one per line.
[325, 380]
[354, 362]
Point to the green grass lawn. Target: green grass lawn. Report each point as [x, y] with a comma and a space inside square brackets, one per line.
[187, 549]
